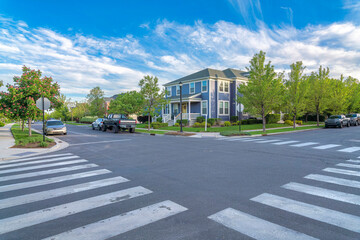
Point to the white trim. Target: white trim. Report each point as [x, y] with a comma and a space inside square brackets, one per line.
[209, 98]
[176, 90]
[201, 108]
[223, 82]
[207, 86]
[224, 101]
[190, 92]
[167, 89]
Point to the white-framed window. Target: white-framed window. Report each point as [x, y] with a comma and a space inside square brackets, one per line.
[226, 87]
[176, 109]
[221, 86]
[177, 90]
[224, 108]
[204, 107]
[168, 90]
[166, 109]
[204, 86]
[192, 87]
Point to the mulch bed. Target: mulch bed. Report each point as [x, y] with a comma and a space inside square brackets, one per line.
[34, 145]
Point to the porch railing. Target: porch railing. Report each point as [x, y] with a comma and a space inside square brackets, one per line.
[186, 116]
[166, 118]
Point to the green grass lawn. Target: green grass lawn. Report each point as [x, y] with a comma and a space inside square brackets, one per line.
[222, 129]
[151, 131]
[22, 138]
[285, 130]
[141, 125]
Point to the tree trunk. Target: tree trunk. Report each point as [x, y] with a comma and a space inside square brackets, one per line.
[263, 119]
[306, 117]
[23, 125]
[294, 119]
[29, 125]
[317, 116]
[149, 122]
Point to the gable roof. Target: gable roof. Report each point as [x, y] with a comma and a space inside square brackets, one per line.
[208, 72]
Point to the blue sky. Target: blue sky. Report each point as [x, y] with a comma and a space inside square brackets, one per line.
[112, 44]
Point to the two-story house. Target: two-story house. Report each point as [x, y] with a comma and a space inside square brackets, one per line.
[210, 93]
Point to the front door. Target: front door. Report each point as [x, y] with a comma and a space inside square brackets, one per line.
[184, 108]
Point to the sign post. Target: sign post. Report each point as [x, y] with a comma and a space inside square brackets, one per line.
[241, 109]
[43, 104]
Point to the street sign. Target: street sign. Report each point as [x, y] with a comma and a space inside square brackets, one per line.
[39, 103]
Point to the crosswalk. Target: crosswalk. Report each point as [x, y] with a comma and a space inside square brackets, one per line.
[50, 170]
[317, 185]
[291, 143]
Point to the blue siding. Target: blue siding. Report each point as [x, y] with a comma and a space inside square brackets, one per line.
[213, 100]
[197, 87]
[224, 96]
[195, 107]
[233, 99]
[173, 91]
[224, 118]
[185, 89]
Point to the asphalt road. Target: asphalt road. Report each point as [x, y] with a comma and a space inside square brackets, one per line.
[187, 188]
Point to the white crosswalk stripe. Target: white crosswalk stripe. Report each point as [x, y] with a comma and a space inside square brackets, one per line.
[327, 146]
[332, 217]
[41, 182]
[334, 180]
[350, 149]
[33, 158]
[38, 196]
[255, 227]
[108, 228]
[36, 162]
[29, 219]
[285, 142]
[47, 172]
[353, 161]
[268, 141]
[322, 192]
[42, 166]
[348, 165]
[304, 144]
[342, 171]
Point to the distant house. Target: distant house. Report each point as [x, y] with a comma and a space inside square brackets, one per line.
[209, 92]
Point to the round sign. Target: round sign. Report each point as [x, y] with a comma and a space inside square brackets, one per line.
[39, 103]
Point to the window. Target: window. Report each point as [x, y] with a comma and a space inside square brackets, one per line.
[166, 109]
[177, 90]
[204, 86]
[176, 109]
[221, 86]
[226, 86]
[168, 90]
[223, 107]
[192, 87]
[203, 107]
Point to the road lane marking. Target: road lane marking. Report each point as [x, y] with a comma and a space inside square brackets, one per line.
[255, 227]
[325, 193]
[286, 142]
[46, 172]
[111, 227]
[348, 165]
[327, 146]
[47, 181]
[37, 161]
[350, 149]
[42, 166]
[33, 158]
[334, 180]
[29, 219]
[268, 141]
[304, 144]
[353, 161]
[122, 140]
[332, 217]
[342, 171]
[39, 196]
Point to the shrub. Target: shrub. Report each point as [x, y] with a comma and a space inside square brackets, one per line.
[287, 117]
[289, 122]
[197, 125]
[235, 123]
[184, 121]
[44, 144]
[88, 119]
[299, 122]
[272, 118]
[233, 118]
[157, 125]
[2, 124]
[177, 124]
[312, 118]
[200, 119]
[227, 123]
[159, 120]
[212, 121]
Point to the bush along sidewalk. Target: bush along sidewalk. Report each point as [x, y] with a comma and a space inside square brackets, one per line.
[22, 139]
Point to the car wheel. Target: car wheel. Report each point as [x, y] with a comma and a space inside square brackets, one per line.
[103, 128]
[341, 125]
[356, 124]
[116, 129]
[131, 130]
[65, 133]
[93, 128]
[348, 124]
[99, 128]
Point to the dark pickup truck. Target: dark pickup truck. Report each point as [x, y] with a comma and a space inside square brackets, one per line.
[116, 122]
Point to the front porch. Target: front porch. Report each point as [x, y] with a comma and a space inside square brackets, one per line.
[190, 111]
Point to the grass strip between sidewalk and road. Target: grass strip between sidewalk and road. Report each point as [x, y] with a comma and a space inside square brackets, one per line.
[286, 130]
[22, 138]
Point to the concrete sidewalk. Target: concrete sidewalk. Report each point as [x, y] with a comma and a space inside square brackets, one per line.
[7, 141]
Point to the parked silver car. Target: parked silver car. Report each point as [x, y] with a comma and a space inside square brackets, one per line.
[55, 127]
[97, 124]
[337, 121]
[354, 119]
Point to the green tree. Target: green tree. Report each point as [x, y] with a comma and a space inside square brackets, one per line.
[127, 103]
[154, 99]
[62, 111]
[353, 87]
[339, 96]
[295, 91]
[1, 83]
[263, 92]
[96, 102]
[318, 94]
[80, 110]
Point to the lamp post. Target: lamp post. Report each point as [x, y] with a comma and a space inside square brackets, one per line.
[180, 84]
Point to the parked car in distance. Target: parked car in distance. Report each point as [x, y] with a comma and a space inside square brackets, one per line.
[55, 127]
[337, 121]
[118, 121]
[354, 119]
[97, 124]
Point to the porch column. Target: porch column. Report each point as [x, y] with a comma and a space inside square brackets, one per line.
[162, 113]
[189, 111]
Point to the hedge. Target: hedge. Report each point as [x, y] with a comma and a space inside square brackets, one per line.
[88, 119]
[272, 118]
[201, 125]
[200, 119]
[234, 119]
[214, 121]
[184, 121]
[157, 125]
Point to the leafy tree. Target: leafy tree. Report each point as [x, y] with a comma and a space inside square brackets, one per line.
[1, 83]
[295, 91]
[127, 103]
[80, 110]
[353, 87]
[318, 94]
[339, 96]
[264, 89]
[153, 97]
[96, 102]
[62, 111]
[19, 102]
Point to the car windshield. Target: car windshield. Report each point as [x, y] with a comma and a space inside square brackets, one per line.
[54, 123]
[335, 117]
[121, 116]
[351, 115]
